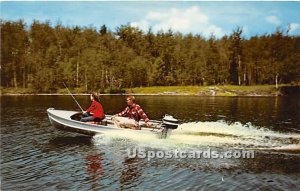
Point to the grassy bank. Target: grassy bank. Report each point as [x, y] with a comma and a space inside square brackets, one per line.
[9, 91]
[227, 90]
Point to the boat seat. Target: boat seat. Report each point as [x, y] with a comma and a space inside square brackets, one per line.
[103, 122]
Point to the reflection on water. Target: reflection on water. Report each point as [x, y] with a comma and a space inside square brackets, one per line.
[95, 170]
[36, 156]
[130, 172]
[94, 165]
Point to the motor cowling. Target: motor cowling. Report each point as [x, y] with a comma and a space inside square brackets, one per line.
[169, 122]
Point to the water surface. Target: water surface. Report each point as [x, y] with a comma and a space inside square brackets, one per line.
[36, 156]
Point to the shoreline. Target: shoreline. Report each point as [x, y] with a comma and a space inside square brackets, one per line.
[143, 94]
[205, 91]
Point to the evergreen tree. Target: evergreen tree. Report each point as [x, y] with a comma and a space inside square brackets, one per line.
[236, 57]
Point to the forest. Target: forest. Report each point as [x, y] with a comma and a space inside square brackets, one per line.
[42, 56]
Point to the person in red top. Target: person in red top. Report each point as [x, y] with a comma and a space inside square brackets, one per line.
[95, 112]
[131, 115]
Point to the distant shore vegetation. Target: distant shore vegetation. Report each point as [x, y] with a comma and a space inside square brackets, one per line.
[40, 57]
[218, 90]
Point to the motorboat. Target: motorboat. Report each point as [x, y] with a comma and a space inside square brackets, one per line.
[70, 121]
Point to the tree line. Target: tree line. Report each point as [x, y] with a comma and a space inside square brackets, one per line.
[42, 56]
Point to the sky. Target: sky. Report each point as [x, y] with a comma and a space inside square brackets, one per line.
[202, 17]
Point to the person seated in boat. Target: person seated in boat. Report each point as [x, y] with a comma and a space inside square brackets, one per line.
[131, 115]
[95, 112]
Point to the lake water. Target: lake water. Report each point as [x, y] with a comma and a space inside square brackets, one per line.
[36, 156]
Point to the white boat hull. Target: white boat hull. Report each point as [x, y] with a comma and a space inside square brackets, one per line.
[61, 119]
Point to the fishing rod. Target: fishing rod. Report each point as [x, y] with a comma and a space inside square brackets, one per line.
[73, 97]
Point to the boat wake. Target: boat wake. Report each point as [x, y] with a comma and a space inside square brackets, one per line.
[217, 134]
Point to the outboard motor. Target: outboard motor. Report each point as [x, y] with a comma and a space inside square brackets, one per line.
[168, 123]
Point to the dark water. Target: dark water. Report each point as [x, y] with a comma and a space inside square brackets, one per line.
[36, 156]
